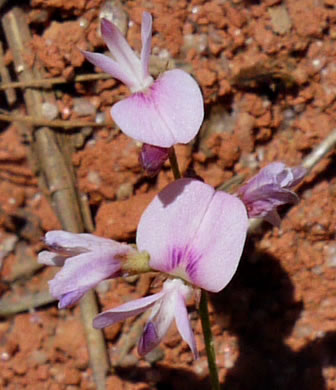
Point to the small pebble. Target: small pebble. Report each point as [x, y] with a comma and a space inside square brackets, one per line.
[83, 107]
[5, 356]
[100, 117]
[49, 111]
[83, 23]
[331, 255]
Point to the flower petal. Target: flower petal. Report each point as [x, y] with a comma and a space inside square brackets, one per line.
[51, 258]
[149, 339]
[270, 188]
[125, 311]
[111, 67]
[67, 243]
[171, 220]
[68, 299]
[121, 50]
[219, 242]
[183, 324]
[161, 317]
[146, 38]
[273, 218]
[169, 112]
[199, 234]
[83, 272]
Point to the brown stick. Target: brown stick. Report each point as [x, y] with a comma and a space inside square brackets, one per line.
[48, 83]
[37, 122]
[52, 150]
[11, 305]
[10, 91]
[320, 151]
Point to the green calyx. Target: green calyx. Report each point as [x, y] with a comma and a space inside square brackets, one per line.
[136, 263]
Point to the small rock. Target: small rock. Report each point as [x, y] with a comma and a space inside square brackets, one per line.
[331, 255]
[100, 117]
[49, 111]
[39, 357]
[199, 42]
[8, 244]
[243, 131]
[125, 191]
[280, 19]
[83, 107]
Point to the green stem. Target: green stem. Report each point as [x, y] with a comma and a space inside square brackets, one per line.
[209, 342]
[174, 163]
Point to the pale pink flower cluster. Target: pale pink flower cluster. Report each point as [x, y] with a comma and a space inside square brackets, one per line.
[190, 232]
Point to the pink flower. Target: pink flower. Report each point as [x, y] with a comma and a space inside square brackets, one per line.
[195, 234]
[85, 259]
[160, 113]
[167, 305]
[270, 188]
[191, 233]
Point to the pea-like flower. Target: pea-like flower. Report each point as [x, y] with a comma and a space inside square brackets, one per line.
[270, 188]
[195, 234]
[189, 232]
[85, 259]
[160, 113]
[167, 305]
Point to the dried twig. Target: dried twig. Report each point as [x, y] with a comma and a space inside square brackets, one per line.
[231, 184]
[54, 156]
[5, 77]
[63, 124]
[12, 305]
[48, 83]
[320, 151]
[129, 340]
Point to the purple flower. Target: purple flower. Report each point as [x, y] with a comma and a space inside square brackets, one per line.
[86, 260]
[195, 234]
[271, 188]
[162, 112]
[152, 158]
[167, 305]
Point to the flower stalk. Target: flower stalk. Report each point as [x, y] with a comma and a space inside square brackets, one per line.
[174, 164]
[208, 341]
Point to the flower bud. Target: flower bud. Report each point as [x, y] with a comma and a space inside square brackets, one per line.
[152, 158]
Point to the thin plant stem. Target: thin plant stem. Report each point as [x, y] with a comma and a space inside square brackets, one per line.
[208, 341]
[174, 163]
[203, 310]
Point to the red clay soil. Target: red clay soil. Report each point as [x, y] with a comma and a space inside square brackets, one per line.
[267, 70]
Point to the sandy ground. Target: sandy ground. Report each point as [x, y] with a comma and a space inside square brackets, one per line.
[267, 70]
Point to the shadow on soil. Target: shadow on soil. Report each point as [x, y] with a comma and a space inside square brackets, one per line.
[260, 304]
